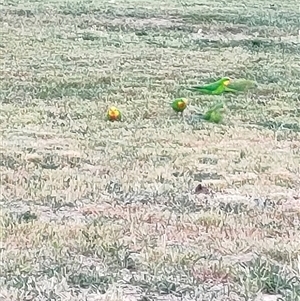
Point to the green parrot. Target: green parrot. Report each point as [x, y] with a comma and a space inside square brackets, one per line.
[215, 114]
[179, 105]
[113, 114]
[215, 88]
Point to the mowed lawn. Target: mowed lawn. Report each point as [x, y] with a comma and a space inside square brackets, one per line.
[99, 210]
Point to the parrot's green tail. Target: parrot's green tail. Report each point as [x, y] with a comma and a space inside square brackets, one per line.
[193, 89]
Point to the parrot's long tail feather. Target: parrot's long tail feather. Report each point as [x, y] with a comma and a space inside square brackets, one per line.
[191, 89]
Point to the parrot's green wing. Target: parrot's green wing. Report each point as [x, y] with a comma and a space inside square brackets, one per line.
[219, 90]
[216, 117]
[215, 114]
[214, 88]
[120, 116]
[210, 87]
[241, 85]
[174, 105]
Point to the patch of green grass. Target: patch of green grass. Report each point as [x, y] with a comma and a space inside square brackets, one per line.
[269, 278]
[265, 18]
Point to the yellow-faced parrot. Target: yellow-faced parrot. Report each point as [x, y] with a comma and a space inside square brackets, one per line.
[113, 114]
[179, 105]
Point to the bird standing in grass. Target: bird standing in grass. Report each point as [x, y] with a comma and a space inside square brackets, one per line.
[179, 105]
[113, 114]
[215, 114]
[215, 88]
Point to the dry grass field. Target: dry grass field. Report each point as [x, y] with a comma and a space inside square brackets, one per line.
[99, 210]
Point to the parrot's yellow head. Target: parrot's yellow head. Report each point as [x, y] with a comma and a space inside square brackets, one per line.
[182, 103]
[226, 81]
[113, 113]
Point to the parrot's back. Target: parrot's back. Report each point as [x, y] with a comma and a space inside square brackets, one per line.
[209, 87]
[219, 90]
